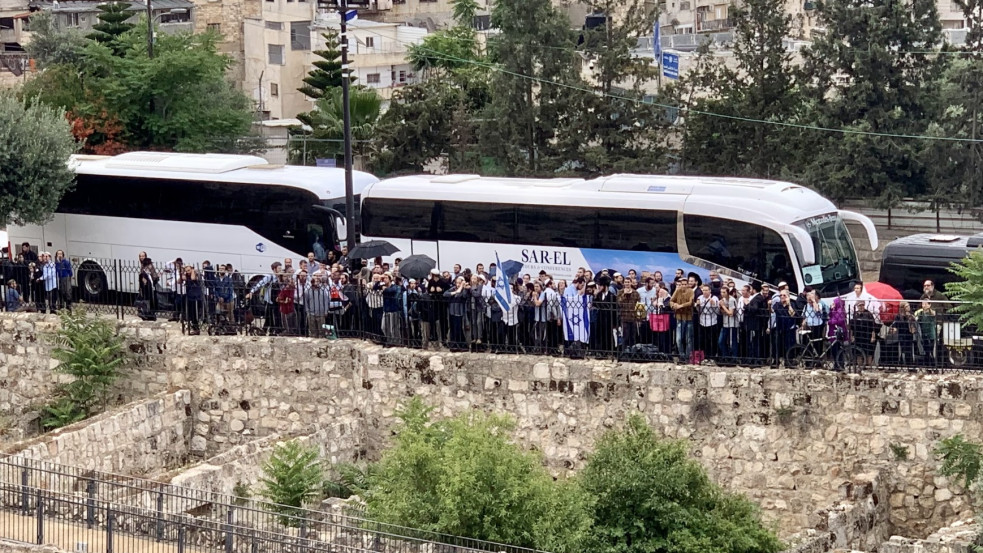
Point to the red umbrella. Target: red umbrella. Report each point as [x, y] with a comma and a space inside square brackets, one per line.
[888, 298]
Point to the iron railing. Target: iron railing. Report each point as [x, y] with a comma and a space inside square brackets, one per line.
[81, 510]
[473, 320]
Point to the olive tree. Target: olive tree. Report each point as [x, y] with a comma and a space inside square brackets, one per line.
[35, 144]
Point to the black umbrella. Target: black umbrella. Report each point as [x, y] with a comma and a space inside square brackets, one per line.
[417, 266]
[371, 249]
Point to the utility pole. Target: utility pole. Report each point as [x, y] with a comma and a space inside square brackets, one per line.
[150, 31]
[346, 106]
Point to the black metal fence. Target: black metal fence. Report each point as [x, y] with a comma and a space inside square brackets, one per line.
[80, 510]
[520, 321]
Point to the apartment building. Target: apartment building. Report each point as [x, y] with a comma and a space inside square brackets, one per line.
[170, 16]
[227, 17]
[279, 48]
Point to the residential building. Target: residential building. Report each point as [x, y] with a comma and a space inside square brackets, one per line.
[170, 16]
[13, 35]
[227, 17]
[279, 53]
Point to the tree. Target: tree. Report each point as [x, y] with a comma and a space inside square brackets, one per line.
[612, 128]
[292, 477]
[956, 168]
[178, 100]
[429, 119]
[537, 68]
[112, 24]
[870, 72]
[326, 74]
[327, 125]
[649, 497]
[35, 144]
[761, 86]
[968, 290]
[51, 46]
[445, 51]
[464, 12]
[464, 477]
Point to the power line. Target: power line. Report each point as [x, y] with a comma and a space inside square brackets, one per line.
[786, 124]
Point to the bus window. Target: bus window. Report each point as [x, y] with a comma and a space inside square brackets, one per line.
[636, 230]
[571, 227]
[752, 249]
[389, 218]
[475, 222]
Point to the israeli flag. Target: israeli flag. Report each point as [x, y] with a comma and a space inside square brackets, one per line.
[576, 317]
[503, 292]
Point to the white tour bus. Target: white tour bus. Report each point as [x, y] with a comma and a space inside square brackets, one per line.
[749, 230]
[224, 208]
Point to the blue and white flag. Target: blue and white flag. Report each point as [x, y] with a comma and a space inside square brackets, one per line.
[576, 317]
[503, 292]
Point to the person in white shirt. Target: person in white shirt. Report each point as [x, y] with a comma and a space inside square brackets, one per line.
[859, 294]
[708, 307]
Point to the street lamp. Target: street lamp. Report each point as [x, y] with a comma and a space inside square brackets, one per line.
[150, 26]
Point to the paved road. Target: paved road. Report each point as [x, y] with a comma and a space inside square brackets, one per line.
[76, 538]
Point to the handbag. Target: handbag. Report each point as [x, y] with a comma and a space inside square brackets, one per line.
[659, 322]
[891, 337]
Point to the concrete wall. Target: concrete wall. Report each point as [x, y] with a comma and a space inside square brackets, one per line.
[788, 439]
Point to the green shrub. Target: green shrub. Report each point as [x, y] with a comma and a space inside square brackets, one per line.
[89, 349]
[649, 496]
[292, 477]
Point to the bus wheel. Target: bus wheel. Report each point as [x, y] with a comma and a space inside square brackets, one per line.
[92, 283]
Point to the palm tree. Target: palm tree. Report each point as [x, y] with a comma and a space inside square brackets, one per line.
[327, 123]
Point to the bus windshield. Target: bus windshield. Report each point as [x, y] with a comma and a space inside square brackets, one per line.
[836, 259]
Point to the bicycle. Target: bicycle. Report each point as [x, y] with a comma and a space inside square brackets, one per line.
[818, 353]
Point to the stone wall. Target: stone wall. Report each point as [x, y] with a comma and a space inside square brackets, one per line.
[788, 439]
[859, 521]
[242, 465]
[955, 538]
[138, 438]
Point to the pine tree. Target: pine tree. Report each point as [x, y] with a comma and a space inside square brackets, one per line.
[113, 18]
[531, 91]
[327, 70]
[956, 168]
[614, 129]
[871, 71]
[761, 87]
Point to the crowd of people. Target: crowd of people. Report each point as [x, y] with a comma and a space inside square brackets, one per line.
[463, 309]
[36, 281]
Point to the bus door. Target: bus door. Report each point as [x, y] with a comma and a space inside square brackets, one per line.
[426, 247]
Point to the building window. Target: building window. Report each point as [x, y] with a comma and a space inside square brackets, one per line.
[300, 35]
[71, 19]
[372, 78]
[370, 42]
[168, 17]
[275, 52]
[274, 25]
[216, 27]
[274, 90]
[402, 76]
[684, 6]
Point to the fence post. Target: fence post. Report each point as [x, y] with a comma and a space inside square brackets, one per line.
[90, 504]
[119, 293]
[160, 515]
[228, 530]
[40, 514]
[303, 528]
[25, 498]
[181, 534]
[110, 519]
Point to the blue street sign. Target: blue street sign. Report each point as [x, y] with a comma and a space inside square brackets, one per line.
[350, 14]
[670, 65]
[656, 40]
